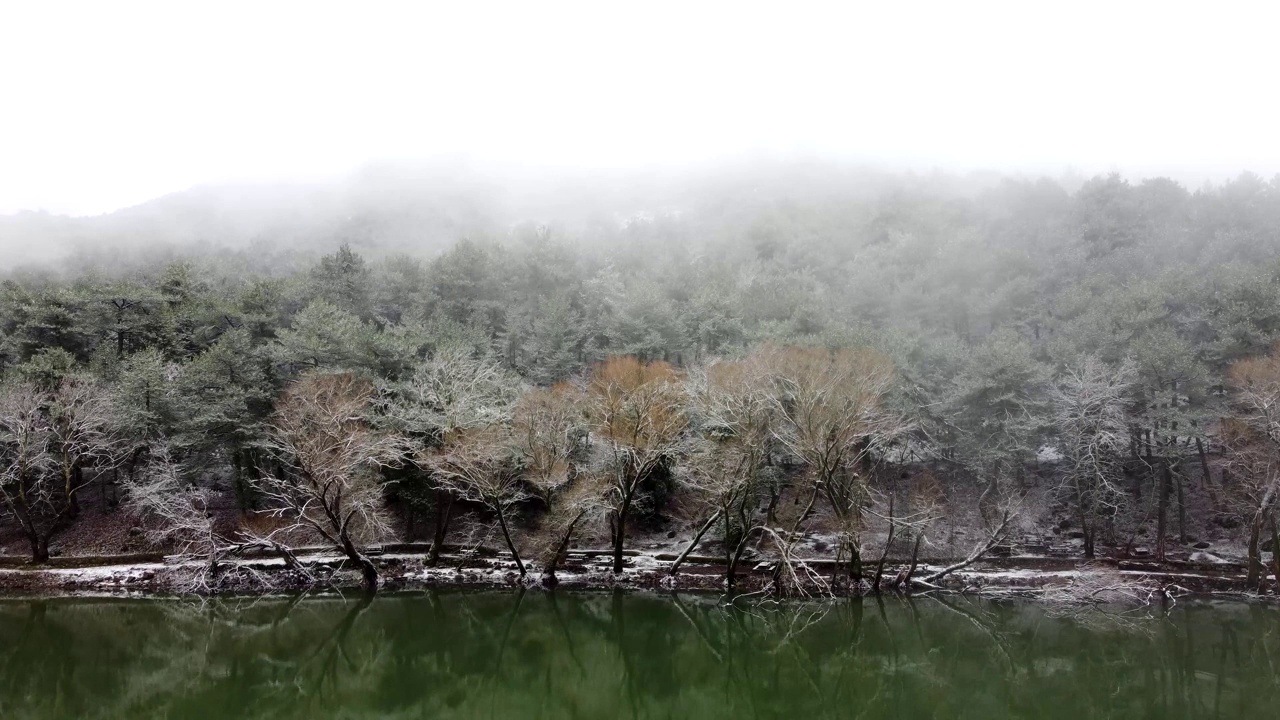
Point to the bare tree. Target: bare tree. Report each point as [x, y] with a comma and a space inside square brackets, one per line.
[547, 428]
[178, 514]
[831, 415]
[1252, 437]
[455, 389]
[792, 576]
[174, 510]
[330, 481]
[637, 413]
[548, 432]
[452, 391]
[1005, 506]
[481, 466]
[924, 507]
[1089, 411]
[731, 407]
[49, 440]
[1254, 466]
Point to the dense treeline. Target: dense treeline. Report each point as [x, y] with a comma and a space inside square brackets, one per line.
[594, 372]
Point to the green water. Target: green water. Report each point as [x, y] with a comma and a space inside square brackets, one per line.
[538, 655]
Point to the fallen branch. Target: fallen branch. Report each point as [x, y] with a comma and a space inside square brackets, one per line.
[996, 537]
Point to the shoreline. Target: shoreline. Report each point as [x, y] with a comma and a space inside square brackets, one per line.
[403, 568]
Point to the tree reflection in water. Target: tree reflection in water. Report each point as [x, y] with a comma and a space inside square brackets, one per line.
[566, 655]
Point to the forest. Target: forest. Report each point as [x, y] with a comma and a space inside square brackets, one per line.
[748, 360]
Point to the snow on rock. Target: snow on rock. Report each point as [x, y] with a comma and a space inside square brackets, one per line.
[1048, 454]
[1207, 558]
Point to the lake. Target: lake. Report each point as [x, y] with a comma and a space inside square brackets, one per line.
[455, 654]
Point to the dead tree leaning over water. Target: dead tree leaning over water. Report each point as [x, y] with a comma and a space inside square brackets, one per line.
[1007, 506]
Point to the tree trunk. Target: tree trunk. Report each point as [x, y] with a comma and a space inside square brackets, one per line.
[77, 480]
[996, 536]
[444, 510]
[620, 533]
[1205, 477]
[675, 566]
[367, 569]
[370, 575]
[853, 569]
[506, 535]
[1082, 515]
[1182, 511]
[731, 572]
[992, 490]
[915, 559]
[1151, 460]
[770, 513]
[875, 583]
[562, 549]
[1255, 555]
[238, 480]
[1275, 550]
[1162, 518]
[39, 549]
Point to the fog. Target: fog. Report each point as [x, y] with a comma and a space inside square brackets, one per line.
[110, 106]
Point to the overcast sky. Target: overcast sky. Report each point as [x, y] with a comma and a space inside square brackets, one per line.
[108, 104]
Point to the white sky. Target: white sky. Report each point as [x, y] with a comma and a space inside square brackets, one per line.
[108, 104]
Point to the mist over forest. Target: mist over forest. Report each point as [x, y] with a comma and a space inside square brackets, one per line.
[779, 251]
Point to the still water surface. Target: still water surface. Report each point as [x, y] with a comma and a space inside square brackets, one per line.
[539, 655]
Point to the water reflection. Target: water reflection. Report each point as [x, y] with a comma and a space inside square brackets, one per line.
[506, 655]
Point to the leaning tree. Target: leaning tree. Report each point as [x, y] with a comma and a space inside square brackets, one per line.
[328, 480]
[481, 466]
